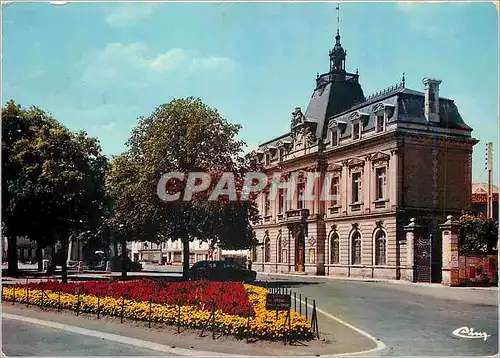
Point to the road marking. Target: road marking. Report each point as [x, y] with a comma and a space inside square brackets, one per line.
[116, 338]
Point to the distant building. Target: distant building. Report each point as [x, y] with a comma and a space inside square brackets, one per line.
[169, 252]
[480, 199]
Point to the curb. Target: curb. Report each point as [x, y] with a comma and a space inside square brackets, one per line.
[360, 279]
[117, 338]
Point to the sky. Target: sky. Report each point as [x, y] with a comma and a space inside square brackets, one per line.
[100, 66]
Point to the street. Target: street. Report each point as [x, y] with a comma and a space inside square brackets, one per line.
[25, 339]
[409, 319]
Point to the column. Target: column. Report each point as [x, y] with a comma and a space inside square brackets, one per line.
[450, 266]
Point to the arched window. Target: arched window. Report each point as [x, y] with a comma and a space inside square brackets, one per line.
[278, 250]
[380, 247]
[334, 248]
[356, 248]
[267, 249]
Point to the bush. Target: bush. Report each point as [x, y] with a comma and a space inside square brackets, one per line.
[131, 266]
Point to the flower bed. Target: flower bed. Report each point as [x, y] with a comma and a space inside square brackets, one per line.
[229, 297]
[231, 310]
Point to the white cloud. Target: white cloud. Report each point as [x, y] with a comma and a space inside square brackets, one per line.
[133, 64]
[127, 13]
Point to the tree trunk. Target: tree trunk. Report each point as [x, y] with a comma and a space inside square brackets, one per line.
[39, 255]
[64, 263]
[52, 266]
[185, 261]
[124, 259]
[12, 269]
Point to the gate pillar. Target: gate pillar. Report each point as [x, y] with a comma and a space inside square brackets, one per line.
[414, 235]
[450, 267]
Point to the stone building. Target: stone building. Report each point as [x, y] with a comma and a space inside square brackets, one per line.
[169, 251]
[392, 156]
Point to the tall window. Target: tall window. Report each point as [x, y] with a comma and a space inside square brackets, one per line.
[278, 250]
[356, 187]
[380, 189]
[334, 248]
[300, 195]
[267, 159]
[380, 246]
[267, 205]
[334, 136]
[254, 254]
[267, 250]
[356, 247]
[281, 200]
[355, 130]
[380, 123]
[335, 191]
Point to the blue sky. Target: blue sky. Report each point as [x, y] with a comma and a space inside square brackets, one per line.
[98, 66]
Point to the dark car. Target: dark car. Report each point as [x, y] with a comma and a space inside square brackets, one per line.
[220, 271]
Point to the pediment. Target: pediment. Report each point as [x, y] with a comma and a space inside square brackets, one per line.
[334, 167]
[358, 115]
[378, 107]
[355, 162]
[380, 157]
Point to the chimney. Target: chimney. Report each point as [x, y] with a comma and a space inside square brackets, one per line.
[431, 106]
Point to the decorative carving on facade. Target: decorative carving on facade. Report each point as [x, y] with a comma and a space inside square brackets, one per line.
[333, 228]
[380, 157]
[379, 224]
[334, 167]
[311, 240]
[355, 164]
[355, 226]
[297, 118]
[310, 136]
[394, 151]
[360, 116]
[378, 108]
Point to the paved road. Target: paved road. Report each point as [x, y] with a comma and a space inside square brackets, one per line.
[26, 339]
[409, 319]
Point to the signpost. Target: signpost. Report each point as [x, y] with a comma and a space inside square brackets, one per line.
[278, 302]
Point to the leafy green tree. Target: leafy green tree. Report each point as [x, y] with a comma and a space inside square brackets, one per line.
[477, 234]
[183, 136]
[55, 181]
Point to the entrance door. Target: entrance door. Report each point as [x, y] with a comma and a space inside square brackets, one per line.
[300, 251]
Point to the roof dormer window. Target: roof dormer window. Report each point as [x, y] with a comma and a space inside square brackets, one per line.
[356, 130]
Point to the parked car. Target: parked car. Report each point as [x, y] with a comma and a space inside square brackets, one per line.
[221, 271]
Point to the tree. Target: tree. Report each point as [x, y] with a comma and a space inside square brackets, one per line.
[55, 185]
[183, 136]
[477, 234]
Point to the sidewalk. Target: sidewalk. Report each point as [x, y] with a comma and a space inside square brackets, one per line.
[360, 279]
[335, 338]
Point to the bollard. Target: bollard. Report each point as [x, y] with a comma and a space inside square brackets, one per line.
[149, 319]
[248, 321]
[78, 304]
[178, 318]
[41, 298]
[123, 304]
[306, 308]
[213, 322]
[59, 301]
[14, 302]
[27, 296]
[98, 305]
